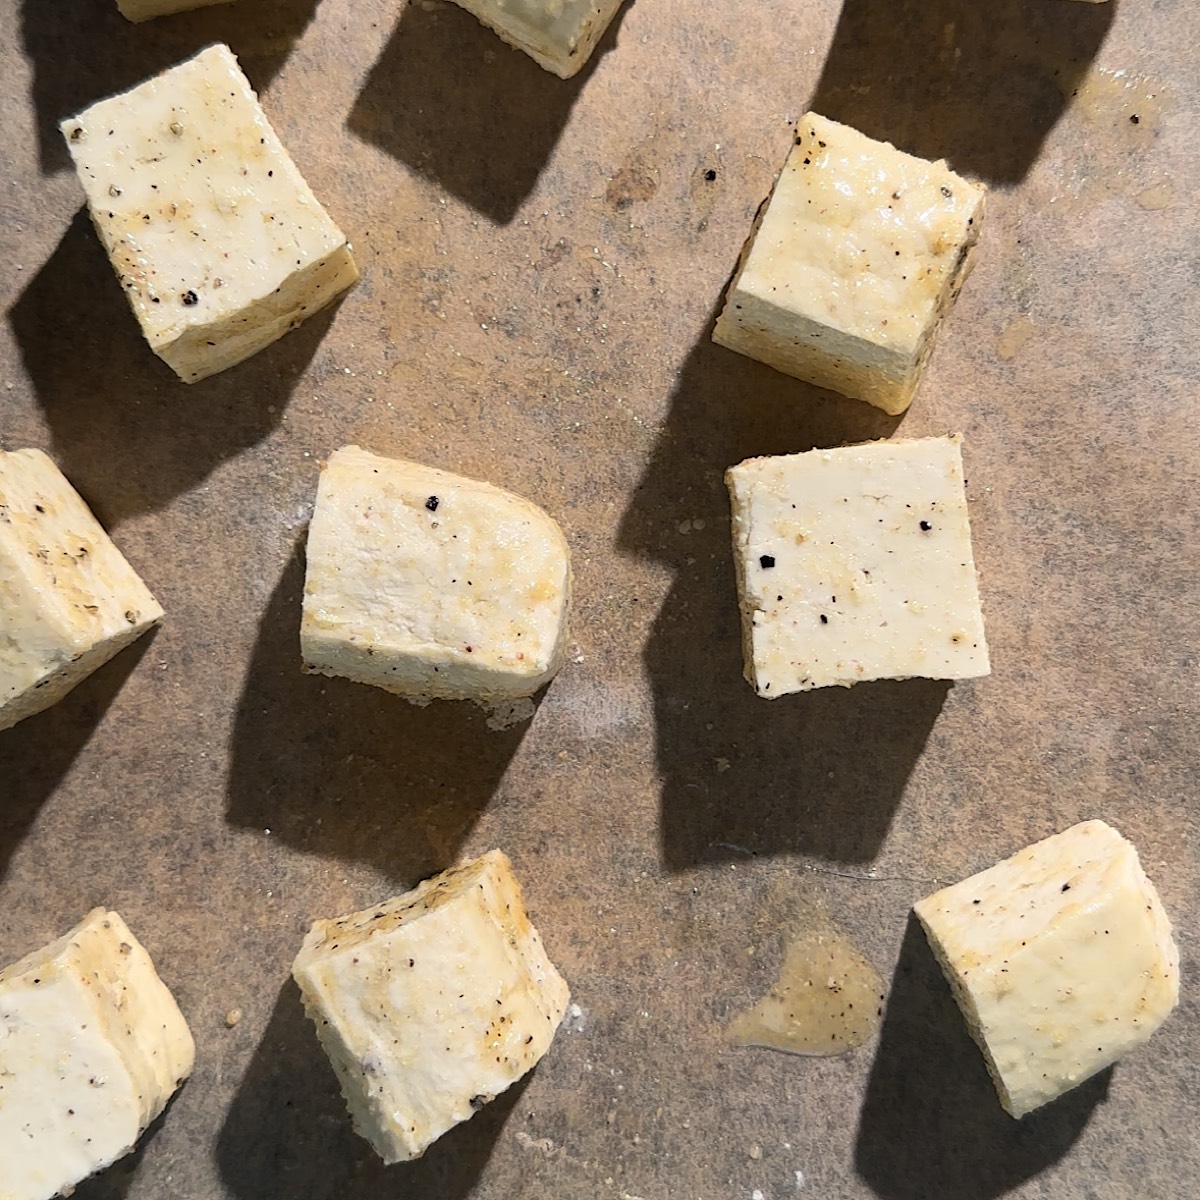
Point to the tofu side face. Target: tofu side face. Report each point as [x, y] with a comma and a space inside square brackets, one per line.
[431, 585]
[432, 1003]
[90, 1052]
[856, 564]
[68, 599]
[559, 35]
[1061, 958]
[859, 252]
[218, 242]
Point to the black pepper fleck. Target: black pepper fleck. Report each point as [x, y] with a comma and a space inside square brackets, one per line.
[432, 503]
[766, 561]
[925, 525]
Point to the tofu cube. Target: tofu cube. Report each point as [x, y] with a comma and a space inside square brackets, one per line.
[857, 255]
[431, 1004]
[431, 586]
[92, 1046]
[220, 245]
[559, 35]
[144, 10]
[856, 564]
[68, 599]
[1061, 959]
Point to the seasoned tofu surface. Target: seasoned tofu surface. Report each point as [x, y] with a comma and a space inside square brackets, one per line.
[69, 600]
[1061, 958]
[92, 1046]
[431, 1003]
[430, 585]
[219, 243]
[856, 564]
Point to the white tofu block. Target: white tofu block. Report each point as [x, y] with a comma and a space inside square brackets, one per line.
[856, 564]
[68, 599]
[1061, 959]
[857, 255]
[431, 586]
[219, 243]
[431, 1004]
[144, 10]
[92, 1046]
[559, 35]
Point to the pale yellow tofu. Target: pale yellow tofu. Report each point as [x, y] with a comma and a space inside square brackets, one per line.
[432, 1003]
[857, 255]
[430, 585]
[92, 1046]
[68, 599]
[1061, 959]
[856, 564]
[559, 35]
[219, 243]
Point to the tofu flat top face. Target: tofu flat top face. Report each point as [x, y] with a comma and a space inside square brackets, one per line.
[410, 560]
[861, 237]
[64, 586]
[92, 1046]
[1061, 956]
[436, 1001]
[200, 208]
[856, 564]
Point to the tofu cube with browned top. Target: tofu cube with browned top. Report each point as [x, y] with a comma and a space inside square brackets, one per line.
[219, 244]
[68, 599]
[432, 1003]
[856, 257]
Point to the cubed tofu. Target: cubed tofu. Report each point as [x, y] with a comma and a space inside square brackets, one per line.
[431, 586]
[856, 564]
[92, 1046]
[857, 255]
[559, 35]
[432, 1003]
[219, 243]
[1061, 959]
[68, 599]
[144, 10]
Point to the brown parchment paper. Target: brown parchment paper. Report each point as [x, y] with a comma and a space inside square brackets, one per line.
[541, 265]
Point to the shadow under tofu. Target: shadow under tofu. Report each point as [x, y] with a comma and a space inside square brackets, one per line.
[84, 50]
[287, 1135]
[454, 102]
[338, 768]
[127, 432]
[818, 773]
[931, 1124]
[36, 754]
[992, 80]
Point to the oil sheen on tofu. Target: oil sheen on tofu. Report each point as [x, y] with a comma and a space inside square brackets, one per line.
[92, 1046]
[859, 252]
[68, 599]
[1061, 959]
[219, 243]
[559, 35]
[430, 585]
[856, 564]
[432, 1003]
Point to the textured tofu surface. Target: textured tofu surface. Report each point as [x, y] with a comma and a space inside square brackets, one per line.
[430, 585]
[219, 243]
[858, 253]
[68, 599]
[144, 10]
[431, 1003]
[92, 1046]
[1061, 959]
[559, 35]
[856, 564]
